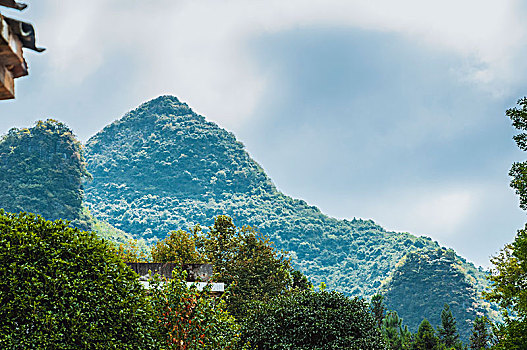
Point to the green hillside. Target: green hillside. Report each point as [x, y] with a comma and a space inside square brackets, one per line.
[162, 167]
[42, 171]
[424, 281]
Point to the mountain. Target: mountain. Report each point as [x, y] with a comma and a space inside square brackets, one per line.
[162, 167]
[42, 171]
[423, 281]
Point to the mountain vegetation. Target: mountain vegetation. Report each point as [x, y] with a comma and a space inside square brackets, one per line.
[424, 281]
[42, 171]
[162, 167]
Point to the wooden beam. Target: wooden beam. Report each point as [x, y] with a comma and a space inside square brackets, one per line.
[11, 54]
[7, 84]
[10, 45]
[13, 4]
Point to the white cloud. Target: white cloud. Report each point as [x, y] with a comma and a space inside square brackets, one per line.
[197, 49]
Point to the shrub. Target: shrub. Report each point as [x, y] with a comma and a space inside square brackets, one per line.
[62, 288]
[312, 320]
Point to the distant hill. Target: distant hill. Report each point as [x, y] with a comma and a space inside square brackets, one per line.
[423, 281]
[42, 171]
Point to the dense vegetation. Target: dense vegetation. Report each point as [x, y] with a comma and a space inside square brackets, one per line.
[62, 288]
[242, 258]
[162, 167]
[312, 320]
[190, 319]
[42, 171]
[425, 280]
[509, 273]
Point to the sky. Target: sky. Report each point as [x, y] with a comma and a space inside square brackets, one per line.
[383, 110]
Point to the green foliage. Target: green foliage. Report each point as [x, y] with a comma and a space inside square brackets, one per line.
[509, 272]
[242, 258]
[377, 308]
[425, 280]
[62, 288]
[41, 171]
[300, 281]
[396, 336]
[480, 334]
[508, 277]
[426, 339]
[518, 170]
[190, 319]
[312, 320]
[448, 331]
[178, 247]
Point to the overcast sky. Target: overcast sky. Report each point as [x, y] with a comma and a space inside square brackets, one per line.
[381, 109]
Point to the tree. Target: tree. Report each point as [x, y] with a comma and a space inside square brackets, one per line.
[448, 330]
[377, 309]
[242, 258]
[62, 288]
[179, 247]
[300, 281]
[312, 320]
[190, 319]
[397, 337]
[426, 338]
[518, 170]
[509, 291]
[509, 273]
[480, 334]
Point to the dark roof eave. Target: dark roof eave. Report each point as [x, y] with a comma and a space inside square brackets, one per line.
[13, 4]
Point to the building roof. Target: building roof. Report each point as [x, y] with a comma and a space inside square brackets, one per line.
[25, 32]
[14, 36]
[13, 4]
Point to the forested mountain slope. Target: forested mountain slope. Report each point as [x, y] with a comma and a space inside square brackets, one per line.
[41, 171]
[423, 281]
[162, 167]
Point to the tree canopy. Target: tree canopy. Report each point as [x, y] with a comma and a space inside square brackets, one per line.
[242, 258]
[509, 271]
[62, 288]
[312, 320]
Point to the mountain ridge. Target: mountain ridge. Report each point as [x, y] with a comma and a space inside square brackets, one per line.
[163, 167]
[162, 158]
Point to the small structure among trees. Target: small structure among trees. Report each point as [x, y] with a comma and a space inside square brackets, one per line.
[14, 35]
